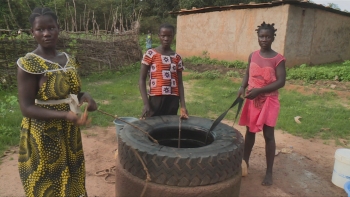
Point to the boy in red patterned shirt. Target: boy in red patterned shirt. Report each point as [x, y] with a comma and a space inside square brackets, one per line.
[164, 68]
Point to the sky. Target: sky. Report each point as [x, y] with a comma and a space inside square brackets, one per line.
[343, 4]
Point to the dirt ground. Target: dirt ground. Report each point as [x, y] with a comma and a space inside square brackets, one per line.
[307, 171]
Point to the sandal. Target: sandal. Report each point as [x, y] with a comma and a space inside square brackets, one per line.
[102, 172]
[107, 173]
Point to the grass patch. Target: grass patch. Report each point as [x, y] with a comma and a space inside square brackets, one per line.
[117, 93]
[336, 71]
[10, 116]
[120, 96]
[323, 115]
[207, 60]
[205, 75]
[211, 97]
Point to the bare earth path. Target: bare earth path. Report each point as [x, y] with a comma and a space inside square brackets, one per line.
[307, 171]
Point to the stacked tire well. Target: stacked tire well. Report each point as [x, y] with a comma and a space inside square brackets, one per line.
[184, 167]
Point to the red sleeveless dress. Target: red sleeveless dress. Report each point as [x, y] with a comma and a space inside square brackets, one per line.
[264, 109]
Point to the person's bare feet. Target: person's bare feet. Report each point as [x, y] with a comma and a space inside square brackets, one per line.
[267, 180]
[247, 162]
[244, 168]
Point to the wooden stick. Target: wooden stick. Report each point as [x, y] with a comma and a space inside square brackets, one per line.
[7, 25]
[84, 18]
[13, 18]
[109, 18]
[75, 16]
[58, 20]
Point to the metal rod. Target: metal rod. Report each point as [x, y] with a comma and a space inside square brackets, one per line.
[179, 141]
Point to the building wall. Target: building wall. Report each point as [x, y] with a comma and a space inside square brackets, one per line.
[228, 35]
[305, 35]
[316, 36]
[300, 28]
[331, 38]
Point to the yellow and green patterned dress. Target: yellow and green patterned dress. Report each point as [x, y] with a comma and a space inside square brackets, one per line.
[51, 158]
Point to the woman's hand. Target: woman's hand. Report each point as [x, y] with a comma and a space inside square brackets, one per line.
[241, 92]
[183, 113]
[253, 93]
[92, 106]
[82, 120]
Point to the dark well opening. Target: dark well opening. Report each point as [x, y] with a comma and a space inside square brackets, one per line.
[190, 137]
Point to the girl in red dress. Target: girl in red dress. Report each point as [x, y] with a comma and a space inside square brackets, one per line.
[265, 74]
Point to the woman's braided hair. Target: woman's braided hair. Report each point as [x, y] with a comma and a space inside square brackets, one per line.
[41, 12]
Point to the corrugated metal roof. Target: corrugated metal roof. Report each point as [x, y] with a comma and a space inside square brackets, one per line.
[252, 5]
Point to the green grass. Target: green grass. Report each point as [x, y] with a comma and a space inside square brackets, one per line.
[210, 97]
[322, 115]
[10, 119]
[334, 71]
[206, 60]
[117, 93]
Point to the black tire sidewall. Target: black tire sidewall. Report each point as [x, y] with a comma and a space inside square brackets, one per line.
[224, 153]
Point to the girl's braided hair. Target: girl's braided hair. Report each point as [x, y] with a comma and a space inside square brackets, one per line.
[267, 26]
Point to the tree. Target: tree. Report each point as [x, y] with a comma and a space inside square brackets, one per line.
[334, 6]
[74, 14]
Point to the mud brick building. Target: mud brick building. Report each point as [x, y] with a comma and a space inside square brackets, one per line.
[307, 32]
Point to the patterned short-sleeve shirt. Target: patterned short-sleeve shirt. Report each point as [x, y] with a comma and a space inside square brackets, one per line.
[163, 78]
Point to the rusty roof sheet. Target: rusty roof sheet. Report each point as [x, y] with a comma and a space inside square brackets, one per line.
[251, 5]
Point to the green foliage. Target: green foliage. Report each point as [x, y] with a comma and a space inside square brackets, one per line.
[340, 72]
[205, 75]
[7, 106]
[207, 60]
[334, 6]
[154, 12]
[10, 119]
[152, 23]
[15, 15]
[72, 47]
[232, 74]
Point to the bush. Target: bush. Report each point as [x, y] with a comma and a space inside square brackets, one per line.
[340, 72]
